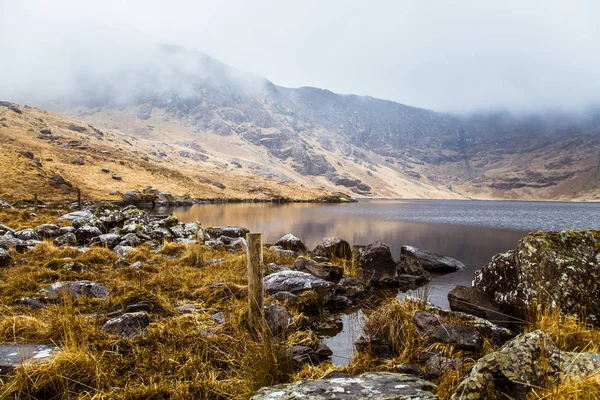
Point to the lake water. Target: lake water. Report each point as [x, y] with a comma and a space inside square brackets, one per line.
[470, 231]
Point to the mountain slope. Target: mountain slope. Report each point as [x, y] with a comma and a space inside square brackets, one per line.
[365, 146]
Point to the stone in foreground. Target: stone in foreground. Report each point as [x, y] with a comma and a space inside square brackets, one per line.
[370, 385]
[529, 360]
[14, 355]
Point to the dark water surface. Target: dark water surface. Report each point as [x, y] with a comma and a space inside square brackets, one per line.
[470, 231]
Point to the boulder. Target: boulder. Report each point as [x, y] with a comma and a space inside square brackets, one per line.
[87, 233]
[27, 234]
[378, 347]
[303, 355]
[48, 231]
[528, 361]
[462, 337]
[230, 231]
[334, 247]
[426, 323]
[5, 258]
[296, 282]
[291, 242]
[68, 239]
[368, 386]
[430, 261]
[76, 289]
[438, 365]
[15, 355]
[350, 287]
[131, 240]
[109, 240]
[77, 214]
[323, 270]
[129, 325]
[473, 301]
[374, 264]
[550, 269]
[7, 241]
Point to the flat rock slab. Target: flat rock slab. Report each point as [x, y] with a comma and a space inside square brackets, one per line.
[14, 355]
[370, 385]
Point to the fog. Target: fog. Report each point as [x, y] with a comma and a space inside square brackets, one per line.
[470, 56]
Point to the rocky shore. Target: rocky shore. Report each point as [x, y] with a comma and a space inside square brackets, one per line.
[122, 276]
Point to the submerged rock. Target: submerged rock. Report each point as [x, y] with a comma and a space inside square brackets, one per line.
[370, 385]
[528, 361]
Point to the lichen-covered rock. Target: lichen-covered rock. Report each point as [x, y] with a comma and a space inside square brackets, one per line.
[5, 258]
[529, 360]
[129, 325]
[323, 270]
[291, 242]
[374, 264]
[553, 269]
[77, 289]
[430, 261]
[370, 385]
[437, 365]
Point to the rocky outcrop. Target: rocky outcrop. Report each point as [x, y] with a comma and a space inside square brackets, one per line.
[550, 269]
[528, 361]
[370, 385]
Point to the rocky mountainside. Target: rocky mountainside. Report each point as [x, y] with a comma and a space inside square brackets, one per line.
[200, 108]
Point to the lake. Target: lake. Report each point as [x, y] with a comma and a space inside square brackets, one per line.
[468, 230]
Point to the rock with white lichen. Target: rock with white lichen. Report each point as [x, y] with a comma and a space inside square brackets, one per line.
[370, 385]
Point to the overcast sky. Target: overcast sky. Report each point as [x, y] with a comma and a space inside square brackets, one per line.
[442, 55]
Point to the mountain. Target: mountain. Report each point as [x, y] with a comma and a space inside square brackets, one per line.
[195, 109]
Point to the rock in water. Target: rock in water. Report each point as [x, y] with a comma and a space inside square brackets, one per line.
[529, 360]
[547, 268]
[376, 265]
[370, 385]
[430, 261]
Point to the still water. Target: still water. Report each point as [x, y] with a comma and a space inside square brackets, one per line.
[470, 231]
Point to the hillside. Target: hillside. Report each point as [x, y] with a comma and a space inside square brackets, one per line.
[51, 155]
[195, 110]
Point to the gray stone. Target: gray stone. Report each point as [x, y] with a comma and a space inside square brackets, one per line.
[473, 301]
[77, 214]
[368, 386]
[48, 231]
[138, 307]
[374, 264]
[281, 252]
[438, 365]
[285, 297]
[462, 337]
[86, 233]
[7, 241]
[230, 231]
[295, 282]
[109, 240]
[278, 319]
[291, 242]
[122, 250]
[14, 355]
[77, 289]
[303, 355]
[350, 287]
[528, 361]
[323, 270]
[5, 258]
[68, 239]
[431, 261]
[187, 309]
[129, 325]
[426, 323]
[334, 247]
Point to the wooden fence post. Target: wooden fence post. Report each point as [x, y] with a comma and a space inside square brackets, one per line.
[79, 198]
[35, 202]
[255, 284]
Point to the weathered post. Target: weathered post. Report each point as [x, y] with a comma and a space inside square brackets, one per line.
[255, 286]
[35, 202]
[79, 199]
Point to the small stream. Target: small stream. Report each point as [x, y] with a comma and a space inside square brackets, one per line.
[470, 231]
